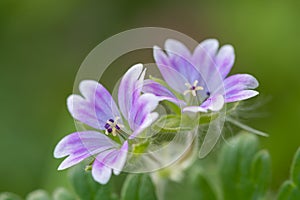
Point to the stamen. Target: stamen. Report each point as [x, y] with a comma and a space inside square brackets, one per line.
[192, 88]
[112, 126]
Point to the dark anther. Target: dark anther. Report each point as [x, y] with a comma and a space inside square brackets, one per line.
[106, 126]
[208, 93]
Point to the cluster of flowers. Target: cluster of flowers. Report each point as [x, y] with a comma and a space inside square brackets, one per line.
[201, 76]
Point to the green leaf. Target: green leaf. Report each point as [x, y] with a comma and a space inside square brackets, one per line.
[191, 187]
[242, 169]
[9, 196]
[85, 187]
[203, 188]
[295, 169]
[138, 187]
[261, 173]
[38, 195]
[290, 190]
[62, 194]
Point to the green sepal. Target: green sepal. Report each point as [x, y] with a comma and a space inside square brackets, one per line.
[139, 148]
[171, 108]
[245, 127]
[206, 118]
[167, 124]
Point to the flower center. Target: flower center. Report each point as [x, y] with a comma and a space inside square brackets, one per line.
[112, 126]
[192, 88]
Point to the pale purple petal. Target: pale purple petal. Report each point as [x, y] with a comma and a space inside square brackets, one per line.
[144, 105]
[238, 82]
[175, 47]
[214, 103]
[173, 78]
[194, 109]
[119, 161]
[130, 88]
[157, 89]
[225, 60]
[180, 59]
[148, 120]
[81, 145]
[114, 158]
[100, 172]
[203, 59]
[241, 95]
[95, 107]
[160, 57]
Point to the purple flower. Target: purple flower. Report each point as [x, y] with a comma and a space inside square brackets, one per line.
[200, 77]
[97, 109]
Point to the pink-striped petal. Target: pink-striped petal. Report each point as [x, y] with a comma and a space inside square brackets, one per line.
[174, 47]
[241, 95]
[180, 59]
[214, 103]
[100, 172]
[95, 107]
[130, 88]
[225, 60]
[148, 120]
[108, 161]
[159, 90]
[203, 58]
[238, 82]
[172, 77]
[81, 145]
[145, 104]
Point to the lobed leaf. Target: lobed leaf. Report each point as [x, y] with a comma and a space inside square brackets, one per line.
[290, 190]
[244, 172]
[138, 187]
[38, 195]
[295, 169]
[9, 196]
[85, 187]
[261, 174]
[63, 194]
[195, 187]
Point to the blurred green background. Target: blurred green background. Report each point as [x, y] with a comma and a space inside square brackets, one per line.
[42, 44]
